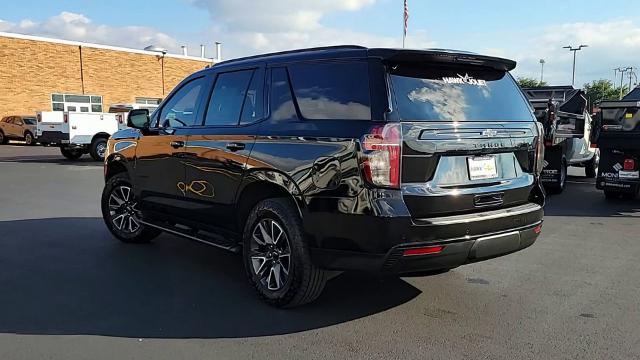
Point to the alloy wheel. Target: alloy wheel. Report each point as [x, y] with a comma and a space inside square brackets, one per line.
[122, 210]
[28, 139]
[100, 149]
[270, 254]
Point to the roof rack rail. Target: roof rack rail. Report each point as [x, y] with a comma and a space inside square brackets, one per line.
[296, 51]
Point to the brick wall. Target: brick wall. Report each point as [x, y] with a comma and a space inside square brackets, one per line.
[30, 71]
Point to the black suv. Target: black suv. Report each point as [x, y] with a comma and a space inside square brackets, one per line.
[330, 159]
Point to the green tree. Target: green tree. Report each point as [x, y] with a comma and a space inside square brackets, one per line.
[599, 90]
[530, 82]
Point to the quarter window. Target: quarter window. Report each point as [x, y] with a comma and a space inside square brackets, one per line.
[227, 98]
[281, 101]
[333, 90]
[182, 109]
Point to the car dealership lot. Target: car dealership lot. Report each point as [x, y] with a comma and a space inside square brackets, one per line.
[68, 290]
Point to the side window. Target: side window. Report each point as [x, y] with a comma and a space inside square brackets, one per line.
[71, 108]
[182, 109]
[253, 109]
[281, 101]
[332, 90]
[227, 98]
[18, 121]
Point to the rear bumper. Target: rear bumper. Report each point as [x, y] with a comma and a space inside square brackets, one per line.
[464, 238]
[53, 138]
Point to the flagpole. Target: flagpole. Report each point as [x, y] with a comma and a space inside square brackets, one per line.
[405, 20]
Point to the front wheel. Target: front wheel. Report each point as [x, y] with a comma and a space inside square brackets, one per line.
[276, 256]
[71, 154]
[120, 212]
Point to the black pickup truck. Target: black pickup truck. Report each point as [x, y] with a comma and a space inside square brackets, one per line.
[617, 134]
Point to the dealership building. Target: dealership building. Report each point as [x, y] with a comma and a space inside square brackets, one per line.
[43, 74]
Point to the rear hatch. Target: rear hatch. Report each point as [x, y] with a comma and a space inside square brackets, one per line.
[469, 138]
[618, 124]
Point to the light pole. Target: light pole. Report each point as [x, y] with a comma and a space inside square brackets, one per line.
[541, 70]
[163, 51]
[621, 70]
[576, 49]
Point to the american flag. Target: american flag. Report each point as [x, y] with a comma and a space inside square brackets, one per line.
[406, 17]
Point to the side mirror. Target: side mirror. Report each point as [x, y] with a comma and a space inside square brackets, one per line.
[138, 119]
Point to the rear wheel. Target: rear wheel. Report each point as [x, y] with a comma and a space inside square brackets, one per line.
[276, 256]
[98, 148]
[3, 139]
[28, 139]
[591, 167]
[609, 194]
[71, 154]
[558, 187]
[120, 213]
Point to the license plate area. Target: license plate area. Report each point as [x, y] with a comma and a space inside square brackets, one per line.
[482, 167]
[623, 174]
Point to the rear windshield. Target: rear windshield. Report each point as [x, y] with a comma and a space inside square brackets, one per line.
[629, 118]
[457, 94]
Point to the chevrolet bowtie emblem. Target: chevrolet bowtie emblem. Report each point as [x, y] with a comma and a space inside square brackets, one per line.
[489, 133]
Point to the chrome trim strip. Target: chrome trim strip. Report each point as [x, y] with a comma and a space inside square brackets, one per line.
[487, 215]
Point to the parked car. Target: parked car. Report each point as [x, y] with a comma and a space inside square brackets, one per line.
[333, 159]
[77, 133]
[563, 112]
[18, 127]
[617, 134]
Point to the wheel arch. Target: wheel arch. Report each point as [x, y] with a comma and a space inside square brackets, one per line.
[113, 165]
[265, 184]
[100, 135]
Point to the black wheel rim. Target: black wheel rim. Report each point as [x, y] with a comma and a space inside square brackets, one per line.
[270, 254]
[122, 210]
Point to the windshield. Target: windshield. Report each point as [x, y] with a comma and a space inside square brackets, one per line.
[457, 94]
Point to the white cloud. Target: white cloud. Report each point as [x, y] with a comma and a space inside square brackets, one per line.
[256, 26]
[74, 26]
[611, 44]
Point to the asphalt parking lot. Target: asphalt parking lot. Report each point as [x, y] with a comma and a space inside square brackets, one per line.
[70, 291]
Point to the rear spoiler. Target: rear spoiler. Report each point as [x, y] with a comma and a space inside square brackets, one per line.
[442, 56]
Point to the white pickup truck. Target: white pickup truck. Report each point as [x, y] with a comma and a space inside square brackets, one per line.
[77, 133]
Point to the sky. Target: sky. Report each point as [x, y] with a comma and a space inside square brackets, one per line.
[525, 31]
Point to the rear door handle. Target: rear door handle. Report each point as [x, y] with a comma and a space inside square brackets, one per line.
[234, 146]
[177, 144]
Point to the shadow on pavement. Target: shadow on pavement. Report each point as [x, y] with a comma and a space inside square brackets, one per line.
[581, 198]
[51, 159]
[69, 276]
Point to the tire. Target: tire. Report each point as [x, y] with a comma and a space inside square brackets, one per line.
[28, 139]
[3, 139]
[591, 166]
[71, 154]
[119, 212]
[280, 280]
[97, 149]
[559, 187]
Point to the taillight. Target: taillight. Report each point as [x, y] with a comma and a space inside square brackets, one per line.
[629, 164]
[381, 158]
[539, 161]
[65, 118]
[39, 116]
[120, 117]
